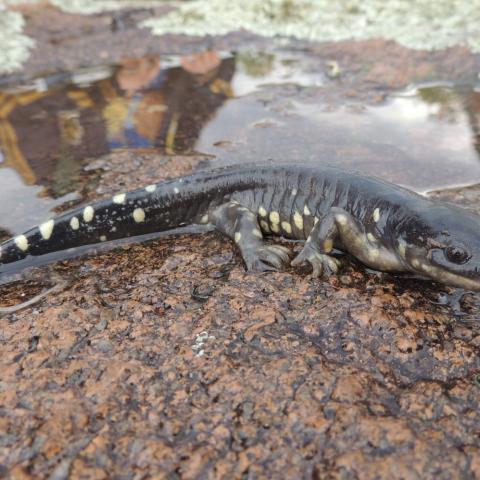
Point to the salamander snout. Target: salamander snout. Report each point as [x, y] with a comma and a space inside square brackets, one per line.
[446, 247]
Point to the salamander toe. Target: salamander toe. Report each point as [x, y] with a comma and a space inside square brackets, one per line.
[322, 264]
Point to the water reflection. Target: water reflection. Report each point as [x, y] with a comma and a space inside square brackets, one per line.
[421, 137]
[49, 128]
[45, 134]
[424, 138]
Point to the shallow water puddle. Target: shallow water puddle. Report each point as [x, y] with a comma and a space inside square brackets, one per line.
[251, 107]
[425, 138]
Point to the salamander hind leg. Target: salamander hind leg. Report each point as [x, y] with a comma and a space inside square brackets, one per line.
[241, 225]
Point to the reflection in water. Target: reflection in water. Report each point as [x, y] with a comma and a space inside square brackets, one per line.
[44, 134]
[49, 128]
[421, 138]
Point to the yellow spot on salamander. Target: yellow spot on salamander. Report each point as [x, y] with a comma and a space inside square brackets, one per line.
[151, 188]
[287, 227]
[257, 233]
[119, 199]
[88, 213]
[342, 219]
[328, 245]
[371, 237]
[376, 215]
[262, 212]
[74, 223]
[298, 220]
[176, 190]
[139, 215]
[306, 210]
[21, 242]
[103, 238]
[238, 237]
[46, 229]
[275, 228]
[274, 217]
[204, 219]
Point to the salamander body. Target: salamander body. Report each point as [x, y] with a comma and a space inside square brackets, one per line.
[386, 227]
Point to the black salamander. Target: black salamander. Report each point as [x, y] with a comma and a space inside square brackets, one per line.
[384, 226]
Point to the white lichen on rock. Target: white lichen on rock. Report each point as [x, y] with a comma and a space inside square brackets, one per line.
[15, 47]
[421, 24]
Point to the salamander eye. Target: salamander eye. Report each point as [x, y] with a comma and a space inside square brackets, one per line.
[456, 254]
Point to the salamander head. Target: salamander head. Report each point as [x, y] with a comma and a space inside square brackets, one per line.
[443, 243]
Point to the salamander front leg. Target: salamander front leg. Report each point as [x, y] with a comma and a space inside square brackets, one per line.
[241, 225]
[339, 228]
[317, 246]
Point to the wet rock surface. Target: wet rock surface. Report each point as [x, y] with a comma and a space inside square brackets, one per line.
[168, 360]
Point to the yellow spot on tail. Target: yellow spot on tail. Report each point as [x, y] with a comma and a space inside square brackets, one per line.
[204, 219]
[151, 188]
[103, 238]
[306, 210]
[257, 233]
[119, 199]
[238, 237]
[88, 213]
[342, 219]
[274, 217]
[139, 215]
[376, 215]
[262, 212]
[21, 242]
[74, 223]
[287, 227]
[298, 220]
[328, 245]
[46, 229]
[275, 228]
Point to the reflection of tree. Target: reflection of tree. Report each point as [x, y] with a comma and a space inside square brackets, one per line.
[45, 136]
[190, 102]
[256, 64]
[453, 102]
[446, 98]
[471, 103]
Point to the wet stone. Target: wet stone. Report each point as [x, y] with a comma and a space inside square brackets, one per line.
[166, 359]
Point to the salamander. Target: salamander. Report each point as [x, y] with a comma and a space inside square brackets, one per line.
[385, 226]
